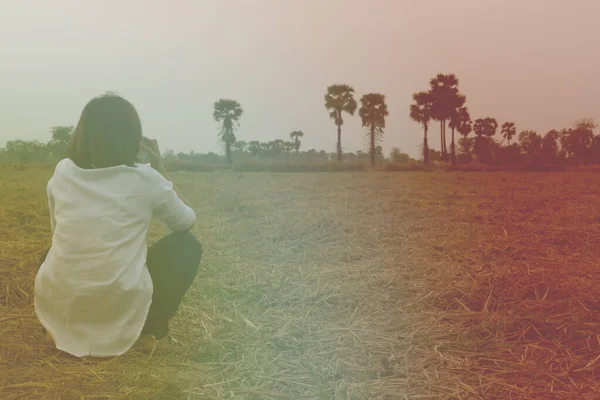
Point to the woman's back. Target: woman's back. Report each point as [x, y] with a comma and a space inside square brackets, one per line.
[93, 291]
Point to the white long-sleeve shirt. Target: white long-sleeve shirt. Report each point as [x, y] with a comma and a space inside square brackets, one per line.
[94, 291]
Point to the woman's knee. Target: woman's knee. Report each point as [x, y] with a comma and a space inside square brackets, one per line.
[188, 243]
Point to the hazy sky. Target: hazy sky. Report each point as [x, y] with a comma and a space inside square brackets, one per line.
[533, 62]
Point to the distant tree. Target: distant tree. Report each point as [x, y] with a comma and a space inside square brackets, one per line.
[288, 146]
[373, 112]
[550, 147]
[168, 153]
[254, 147]
[465, 147]
[339, 99]
[446, 100]
[421, 112]
[62, 133]
[508, 131]
[594, 151]
[435, 155]
[227, 113]
[484, 128]
[240, 145]
[398, 157]
[577, 141]
[460, 119]
[275, 147]
[26, 152]
[265, 149]
[295, 136]
[465, 127]
[61, 136]
[531, 145]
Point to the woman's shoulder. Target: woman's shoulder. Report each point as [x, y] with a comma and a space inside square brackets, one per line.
[62, 167]
[149, 174]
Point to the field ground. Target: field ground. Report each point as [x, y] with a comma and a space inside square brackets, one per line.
[358, 285]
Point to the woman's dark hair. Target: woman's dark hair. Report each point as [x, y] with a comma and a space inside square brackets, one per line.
[108, 134]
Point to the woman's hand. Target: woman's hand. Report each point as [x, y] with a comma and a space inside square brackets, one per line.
[150, 146]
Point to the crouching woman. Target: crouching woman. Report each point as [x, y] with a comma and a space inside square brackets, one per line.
[99, 287]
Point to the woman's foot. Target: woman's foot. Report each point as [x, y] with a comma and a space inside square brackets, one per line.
[151, 344]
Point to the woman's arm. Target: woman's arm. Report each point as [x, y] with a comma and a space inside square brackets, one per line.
[151, 147]
[161, 169]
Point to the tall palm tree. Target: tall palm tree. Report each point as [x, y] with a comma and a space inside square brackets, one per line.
[340, 99]
[421, 112]
[227, 113]
[508, 131]
[458, 118]
[295, 136]
[444, 89]
[465, 127]
[373, 111]
[484, 128]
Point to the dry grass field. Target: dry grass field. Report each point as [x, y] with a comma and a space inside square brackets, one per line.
[355, 285]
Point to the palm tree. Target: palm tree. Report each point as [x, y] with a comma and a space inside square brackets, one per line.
[465, 127]
[227, 113]
[484, 128]
[340, 99]
[421, 112]
[295, 136]
[458, 119]
[373, 111]
[444, 89]
[508, 131]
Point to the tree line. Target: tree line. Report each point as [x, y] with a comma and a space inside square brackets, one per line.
[339, 100]
[444, 103]
[36, 151]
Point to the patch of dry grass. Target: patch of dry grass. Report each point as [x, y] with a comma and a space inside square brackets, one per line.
[520, 292]
[344, 286]
[299, 296]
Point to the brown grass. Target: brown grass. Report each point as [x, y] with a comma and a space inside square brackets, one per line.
[344, 286]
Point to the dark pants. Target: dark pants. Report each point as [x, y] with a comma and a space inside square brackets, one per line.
[173, 263]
